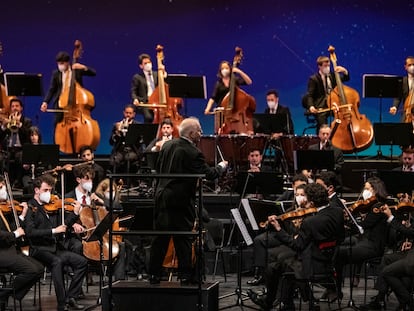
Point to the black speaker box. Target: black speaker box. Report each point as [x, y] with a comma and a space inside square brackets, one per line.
[138, 295]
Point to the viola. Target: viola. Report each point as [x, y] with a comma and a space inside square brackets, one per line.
[364, 206]
[351, 131]
[299, 213]
[6, 206]
[55, 204]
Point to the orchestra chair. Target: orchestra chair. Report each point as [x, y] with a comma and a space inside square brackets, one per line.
[326, 278]
[370, 264]
[215, 232]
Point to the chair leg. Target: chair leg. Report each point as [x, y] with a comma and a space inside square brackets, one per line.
[215, 263]
[224, 265]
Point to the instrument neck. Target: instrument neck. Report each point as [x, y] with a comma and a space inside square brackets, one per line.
[161, 83]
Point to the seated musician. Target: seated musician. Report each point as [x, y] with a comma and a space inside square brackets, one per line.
[26, 269]
[30, 170]
[273, 107]
[87, 154]
[325, 225]
[407, 85]
[167, 130]
[407, 159]
[123, 154]
[320, 86]
[222, 85]
[14, 133]
[395, 268]
[265, 244]
[255, 164]
[330, 182]
[374, 229]
[143, 85]
[45, 231]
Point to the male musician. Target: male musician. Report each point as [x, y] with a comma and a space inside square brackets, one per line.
[122, 153]
[143, 85]
[407, 159]
[327, 225]
[320, 86]
[61, 80]
[14, 133]
[273, 107]
[86, 154]
[167, 130]
[175, 197]
[407, 86]
[44, 232]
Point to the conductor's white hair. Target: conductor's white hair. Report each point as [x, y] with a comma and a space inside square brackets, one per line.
[188, 125]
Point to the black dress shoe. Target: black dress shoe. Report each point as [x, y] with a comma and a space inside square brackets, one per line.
[154, 280]
[259, 300]
[256, 281]
[74, 305]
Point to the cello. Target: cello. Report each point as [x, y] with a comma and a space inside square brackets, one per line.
[77, 127]
[351, 131]
[238, 105]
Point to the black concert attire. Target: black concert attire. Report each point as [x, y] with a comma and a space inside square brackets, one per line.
[56, 84]
[370, 245]
[26, 270]
[12, 142]
[325, 226]
[220, 90]
[283, 110]
[141, 83]
[49, 250]
[123, 154]
[317, 94]
[404, 94]
[174, 202]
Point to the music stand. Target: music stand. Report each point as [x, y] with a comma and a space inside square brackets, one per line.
[263, 208]
[45, 156]
[187, 86]
[314, 159]
[23, 84]
[393, 134]
[260, 182]
[397, 181]
[271, 123]
[142, 133]
[97, 235]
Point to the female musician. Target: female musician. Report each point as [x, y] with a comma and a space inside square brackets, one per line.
[221, 88]
[374, 227]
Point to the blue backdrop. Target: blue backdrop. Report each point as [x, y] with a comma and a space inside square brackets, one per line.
[280, 39]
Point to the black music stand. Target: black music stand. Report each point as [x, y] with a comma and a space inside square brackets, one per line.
[381, 86]
[393, 134]
[45, 156]
[141, 133]
[97, 235]
[23, 84]
[314, 159]
[260, 182]
[397, 181]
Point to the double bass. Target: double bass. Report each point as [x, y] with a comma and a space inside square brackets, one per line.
[4, 99]
[77, 127]
[238, 105]
[408, 105]
[351, 131]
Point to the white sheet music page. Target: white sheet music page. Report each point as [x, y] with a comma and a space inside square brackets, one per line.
[242, 227]
[249, 213]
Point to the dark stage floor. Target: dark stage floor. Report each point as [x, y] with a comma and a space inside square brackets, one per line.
[49, 300]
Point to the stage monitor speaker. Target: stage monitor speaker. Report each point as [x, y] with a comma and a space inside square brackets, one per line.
[139, 295]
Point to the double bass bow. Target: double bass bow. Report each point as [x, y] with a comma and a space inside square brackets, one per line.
[77, 127]
[351, 131]
[238, 105]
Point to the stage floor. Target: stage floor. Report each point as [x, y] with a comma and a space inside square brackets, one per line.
[49, 300]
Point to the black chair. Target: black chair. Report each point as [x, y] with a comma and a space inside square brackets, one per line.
[370, 264]
[7, 288]
[215, 233]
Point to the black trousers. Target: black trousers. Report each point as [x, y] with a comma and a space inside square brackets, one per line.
[261, 244]
[26, 269]
[55, 263]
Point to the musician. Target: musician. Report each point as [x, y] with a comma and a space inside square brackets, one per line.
[14, 133]
[395, 266]
[61, 80]
[255, 165]
[143, 85]
[326, 225]
[273, 107]
[121, 153]
[330, 182]
[30, 170]
[175, 198]
[320, 86]
[87, 154]
[266, 243]
[222, 86]
[325, 144]
[407, 85]
[44, 232]
[167, 129]
[407, 159]
[373, 239]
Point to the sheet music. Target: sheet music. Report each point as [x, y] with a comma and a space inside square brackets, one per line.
[249, 213]
[242, 227]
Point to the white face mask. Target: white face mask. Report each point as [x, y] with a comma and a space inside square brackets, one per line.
[271, 104]
[366, 194]
[3, 194]
[44, 197]
[300, 199]
[225, 72]
[326, 70]
[87, 186]
[108, 193]
[62, 67]
[410, 69]
[148, 67]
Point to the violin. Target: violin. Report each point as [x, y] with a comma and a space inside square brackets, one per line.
[299, 213]
[364, 206]
[6, 206]
[55, 204]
